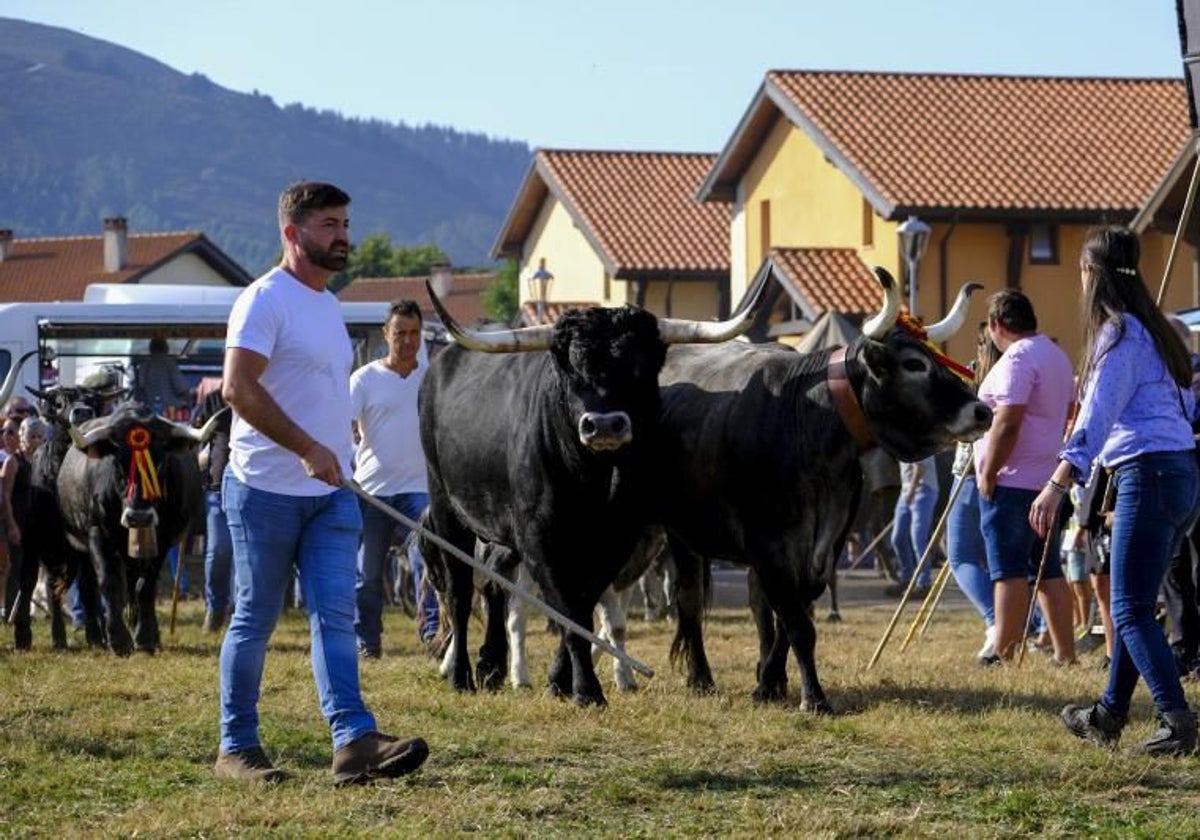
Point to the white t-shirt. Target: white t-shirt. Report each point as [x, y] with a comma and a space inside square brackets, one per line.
[389, 459]
[303, 336]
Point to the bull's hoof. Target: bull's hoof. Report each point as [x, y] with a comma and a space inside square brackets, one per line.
[150, 649]
[58, 637]
[463, 684]
[120, 642]
[770, 693]
[22, 634]
[834, 617]
[816, 707]
[489, 676]
[589, 698]
[627, 687]
[702, 688]
[554, 691]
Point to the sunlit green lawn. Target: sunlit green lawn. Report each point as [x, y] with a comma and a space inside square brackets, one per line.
[926, 743]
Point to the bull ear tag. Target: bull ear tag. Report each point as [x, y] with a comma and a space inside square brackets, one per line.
[143, 542]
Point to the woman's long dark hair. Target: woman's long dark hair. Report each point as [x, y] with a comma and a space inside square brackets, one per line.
[1114, 288]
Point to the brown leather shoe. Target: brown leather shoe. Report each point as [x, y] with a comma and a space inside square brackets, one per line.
[250, 765]
[376, 755]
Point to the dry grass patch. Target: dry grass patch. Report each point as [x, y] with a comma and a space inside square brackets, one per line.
[926, 743]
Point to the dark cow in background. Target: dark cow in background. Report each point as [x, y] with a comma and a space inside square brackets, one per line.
[127, 490]
[545, 453]
[43, 536]
[759, 454]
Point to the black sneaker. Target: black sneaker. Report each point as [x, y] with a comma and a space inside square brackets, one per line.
[1093, 723]
[369, 652]
[1176, 735]
[990, 660]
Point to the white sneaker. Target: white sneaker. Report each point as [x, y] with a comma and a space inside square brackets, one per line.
[989, 644]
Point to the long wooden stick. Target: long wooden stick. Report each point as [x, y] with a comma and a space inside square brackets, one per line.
[501, 581]
[933, 538]
[1037, 584]
[921, 619]
[179, 557]
[871, 545]
[1183, 220]
[938, 591]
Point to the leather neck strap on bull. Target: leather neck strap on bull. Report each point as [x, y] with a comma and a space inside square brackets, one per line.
[846, 402]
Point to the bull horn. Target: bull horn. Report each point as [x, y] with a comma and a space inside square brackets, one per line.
[10, 381]
[86, 440]
[201, 435]
[952, 323]
[679, 331]
[880, 324]
[524, 340]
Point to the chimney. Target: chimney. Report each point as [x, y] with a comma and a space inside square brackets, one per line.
[114, 244]
[5, 243]
[442, 279]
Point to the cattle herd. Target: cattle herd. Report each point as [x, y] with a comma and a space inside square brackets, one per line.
[110, 494]
[573, 452]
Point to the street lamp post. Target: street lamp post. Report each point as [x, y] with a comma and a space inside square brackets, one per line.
[539, 288]
[914, 236]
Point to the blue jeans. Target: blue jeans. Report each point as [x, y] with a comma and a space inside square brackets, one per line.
[967, 553]
[426, 596]
[378, 532]
[910, 533]
[1155, 508]
[218, 556]
[272, 533]
[1014, 550]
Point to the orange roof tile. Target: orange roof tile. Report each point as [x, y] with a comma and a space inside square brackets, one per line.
[992, 145]
[635, 208]
[60, 268]
[464, 303]
[827, 279]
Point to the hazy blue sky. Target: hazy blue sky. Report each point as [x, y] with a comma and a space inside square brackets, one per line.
[613, 74]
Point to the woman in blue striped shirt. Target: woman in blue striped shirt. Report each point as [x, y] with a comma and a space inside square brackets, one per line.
[1135, 416]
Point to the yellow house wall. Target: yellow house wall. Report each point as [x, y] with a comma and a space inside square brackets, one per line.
[185, 269]
[813, 204]
[689, 299]
[979, 253]
[578, 272]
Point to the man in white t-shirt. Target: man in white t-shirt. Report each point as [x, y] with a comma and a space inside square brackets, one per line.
[287, 378]
[389, 462]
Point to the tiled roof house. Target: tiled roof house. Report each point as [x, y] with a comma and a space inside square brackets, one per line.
[463, 298]
[621, 227]
[61, 268]
[1009, 171]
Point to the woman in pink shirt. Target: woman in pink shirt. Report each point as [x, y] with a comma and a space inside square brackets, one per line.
[1029, 390]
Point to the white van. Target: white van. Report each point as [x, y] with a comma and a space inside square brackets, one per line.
[113, 325]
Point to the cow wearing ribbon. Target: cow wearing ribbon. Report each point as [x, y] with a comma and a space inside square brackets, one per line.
[127, 491]
[758, 449]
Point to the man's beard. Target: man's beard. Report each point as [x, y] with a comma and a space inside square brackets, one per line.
[325, 257]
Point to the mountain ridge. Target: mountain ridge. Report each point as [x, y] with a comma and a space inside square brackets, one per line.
[93, 129]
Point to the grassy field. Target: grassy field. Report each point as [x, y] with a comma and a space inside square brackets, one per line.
[924, 744]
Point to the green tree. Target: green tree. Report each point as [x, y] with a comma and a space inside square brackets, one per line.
[376, 256]
[501, 298]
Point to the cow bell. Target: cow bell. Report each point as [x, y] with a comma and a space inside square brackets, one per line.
[143, 543]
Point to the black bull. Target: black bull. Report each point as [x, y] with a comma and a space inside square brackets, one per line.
[43, 543]
[762, 469]
[103, 494]
[545, 453]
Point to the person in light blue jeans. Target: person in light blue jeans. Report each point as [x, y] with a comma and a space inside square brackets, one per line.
[914, 520]
[288, 359]
[379, 533]
[967, 555]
